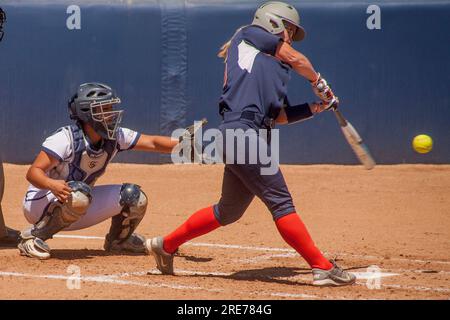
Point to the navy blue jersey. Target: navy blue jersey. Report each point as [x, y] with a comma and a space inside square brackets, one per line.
[255, 80]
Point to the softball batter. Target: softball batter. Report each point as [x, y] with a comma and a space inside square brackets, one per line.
[259, 58]
[62, 195]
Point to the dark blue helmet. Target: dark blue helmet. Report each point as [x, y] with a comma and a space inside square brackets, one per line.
[94, 104]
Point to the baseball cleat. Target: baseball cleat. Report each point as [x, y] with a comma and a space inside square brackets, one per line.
[334, 277]
[164, 260]
[135, 244]
[34, 248]
[12, 238]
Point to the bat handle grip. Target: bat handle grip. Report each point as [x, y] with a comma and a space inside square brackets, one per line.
[334, 104]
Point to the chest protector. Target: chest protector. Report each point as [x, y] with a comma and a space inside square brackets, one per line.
[87, 164]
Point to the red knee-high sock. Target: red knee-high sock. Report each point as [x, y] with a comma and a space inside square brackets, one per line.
[297, 236]
[200, 223]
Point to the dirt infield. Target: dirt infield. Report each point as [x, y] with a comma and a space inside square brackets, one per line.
[394, 217]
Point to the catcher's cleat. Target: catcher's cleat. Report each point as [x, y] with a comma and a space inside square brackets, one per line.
[135, 244]
[164, 260]
[11, 240]
[34, 248]
[334, 277]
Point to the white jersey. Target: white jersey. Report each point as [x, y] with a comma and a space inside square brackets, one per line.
[78, 160]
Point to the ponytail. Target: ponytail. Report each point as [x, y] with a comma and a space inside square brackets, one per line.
[223, 52]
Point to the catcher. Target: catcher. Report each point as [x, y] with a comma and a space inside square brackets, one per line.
[62, 195]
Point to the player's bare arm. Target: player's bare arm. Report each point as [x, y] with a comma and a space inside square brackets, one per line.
[161, 144]
[299, 62]
[36, 175]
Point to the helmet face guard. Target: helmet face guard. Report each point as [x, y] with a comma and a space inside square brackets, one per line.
[105, 119]
[93, 104]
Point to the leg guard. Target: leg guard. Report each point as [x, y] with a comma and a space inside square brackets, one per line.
[61, 215]
[120, 237]
[57, 217]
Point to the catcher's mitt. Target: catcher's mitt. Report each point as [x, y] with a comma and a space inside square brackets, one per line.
[188, 137]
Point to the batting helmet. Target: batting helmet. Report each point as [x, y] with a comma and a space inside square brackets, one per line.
[272, 15]
[94, 104]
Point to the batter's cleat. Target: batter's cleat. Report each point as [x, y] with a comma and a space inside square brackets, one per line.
[134, 244]
[164, 260]
[34, 248]
[11, 239]
[335, 277]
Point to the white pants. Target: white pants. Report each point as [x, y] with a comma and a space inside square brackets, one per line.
[105, 204]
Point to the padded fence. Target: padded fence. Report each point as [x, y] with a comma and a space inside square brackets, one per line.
[160, 56]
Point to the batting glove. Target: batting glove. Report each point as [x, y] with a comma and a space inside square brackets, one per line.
[318, 107]
[322, 89]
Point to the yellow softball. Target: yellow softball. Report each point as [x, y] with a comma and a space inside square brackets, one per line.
[422, 143]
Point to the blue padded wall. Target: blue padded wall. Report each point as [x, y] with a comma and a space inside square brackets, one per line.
[160, 56]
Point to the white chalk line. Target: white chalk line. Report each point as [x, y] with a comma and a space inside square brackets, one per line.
[292, 295]
[408, 287]
[252, 248]
[225, 274]
[359, 275]
[307, 278]
[292, 253]
[266, 257]
[105, 279]
[419, 271]
[115, 279]
[361, 256]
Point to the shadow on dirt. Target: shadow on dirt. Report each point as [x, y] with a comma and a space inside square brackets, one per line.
[277, 275]
[271, 275]
[193, 258]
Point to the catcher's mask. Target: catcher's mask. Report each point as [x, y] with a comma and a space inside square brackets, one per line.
[2, 21]
[94, 104]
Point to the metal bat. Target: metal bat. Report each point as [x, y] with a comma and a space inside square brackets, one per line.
[352, 136]
[354, 140]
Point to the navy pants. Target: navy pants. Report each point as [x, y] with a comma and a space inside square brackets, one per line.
[242, 182]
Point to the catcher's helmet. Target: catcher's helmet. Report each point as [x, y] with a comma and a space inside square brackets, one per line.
[2, 21]
[94, 104]
[272, 15]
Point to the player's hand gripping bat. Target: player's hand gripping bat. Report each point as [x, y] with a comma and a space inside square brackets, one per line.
[353, 138]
